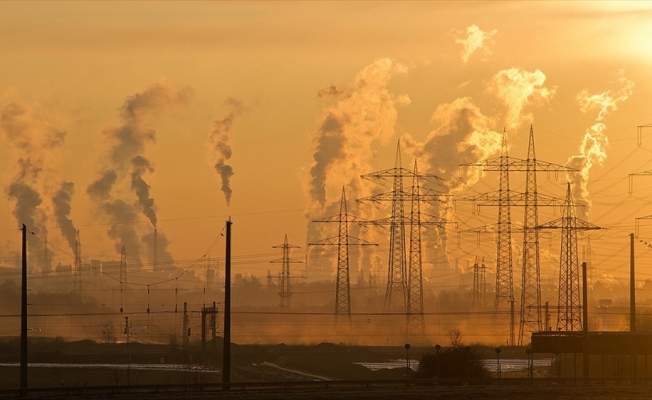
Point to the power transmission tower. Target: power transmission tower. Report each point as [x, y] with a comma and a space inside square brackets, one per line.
[399, 284]
[342, 241]
[285, 286]
[479, 299]
[569, 316]
[415, 266]
[413, 284]
[78, 265]
[123, 278]
[530, 318]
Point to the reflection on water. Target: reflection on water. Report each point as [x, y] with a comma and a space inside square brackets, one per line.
[150, 367]
[506, 365]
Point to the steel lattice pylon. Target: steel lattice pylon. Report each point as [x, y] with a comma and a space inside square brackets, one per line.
[415, 321]
[399, 282]
[342, 241]
[396, 293]
[531, 200]
[285, 286]
[569, 315]
[531, 273]
[504, 270]
[479, 299]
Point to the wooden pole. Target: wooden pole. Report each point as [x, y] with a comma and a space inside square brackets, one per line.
[226, 362]
[23, 317]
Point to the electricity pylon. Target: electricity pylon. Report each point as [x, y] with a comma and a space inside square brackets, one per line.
[530, 314]
[342, 241]
[397, 295]
[569, 315]
[285, 286]
[479, 298]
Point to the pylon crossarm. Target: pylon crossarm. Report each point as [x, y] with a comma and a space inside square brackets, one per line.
[516, 199]
[385, 196]
[338, 218]
[399, 173]
[518, 164]
[578, 224]
[289, 260]
[334, 241]
[631, 179]
[287, 246]
[428, 195]
[426, 219]
[637, 222]
[491, 228]
[425, 195]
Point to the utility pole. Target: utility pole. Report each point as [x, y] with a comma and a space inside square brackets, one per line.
[123, 279]
[585, 315]
[128, 334]
[23, 316]
[185, 323]
[226, 361]
[632, 297]
[632, 286]
[342, 241]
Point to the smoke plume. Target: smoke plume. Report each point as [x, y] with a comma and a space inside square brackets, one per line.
[62, 208]
[33, 144]
[593, 149]
[475, 40]
[219, 146]
[141, 188]
[463, 136]
[363, 116]
[517, 89]
[127, 165]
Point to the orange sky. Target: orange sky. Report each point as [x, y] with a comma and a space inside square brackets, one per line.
[71, 67]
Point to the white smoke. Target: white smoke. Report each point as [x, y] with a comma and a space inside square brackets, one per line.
[518, 89]
[593, 149]
[476, 40]
[363, 115]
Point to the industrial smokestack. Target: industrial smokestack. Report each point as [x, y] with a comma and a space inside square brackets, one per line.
[155, 260]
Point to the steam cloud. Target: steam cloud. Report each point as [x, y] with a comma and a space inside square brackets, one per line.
[127, 160]
[62, 208]
[475, 40]
[464, 136]
[517, 89]
[593, 149]
[365, 114]
[141, 188]
[32, 141]
[219, 146]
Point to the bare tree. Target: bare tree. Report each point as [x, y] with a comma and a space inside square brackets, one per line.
[108, 332]
[456, 337]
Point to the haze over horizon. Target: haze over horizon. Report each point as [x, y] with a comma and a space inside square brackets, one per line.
[120, 118]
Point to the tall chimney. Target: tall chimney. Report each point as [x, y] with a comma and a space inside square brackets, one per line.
[155, 260]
